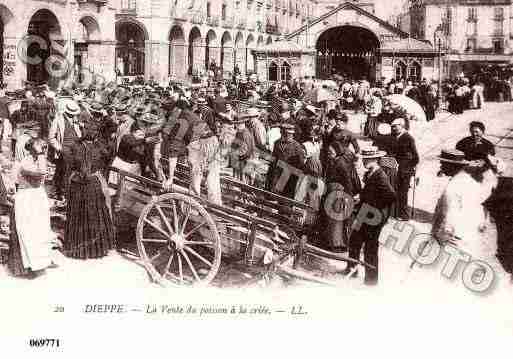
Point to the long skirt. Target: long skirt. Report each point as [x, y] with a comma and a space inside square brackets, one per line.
[371, 127]
[89, 229]
[335, 218]
[31, 234]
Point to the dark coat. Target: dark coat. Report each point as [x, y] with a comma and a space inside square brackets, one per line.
[474, 151]
[405, 152]
[377, 192]
[500, 205]
[293, 154]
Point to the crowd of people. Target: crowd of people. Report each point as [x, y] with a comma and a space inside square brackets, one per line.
[245, 128]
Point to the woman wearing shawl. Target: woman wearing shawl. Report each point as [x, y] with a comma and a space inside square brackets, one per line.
[89, 230]
[341, 177]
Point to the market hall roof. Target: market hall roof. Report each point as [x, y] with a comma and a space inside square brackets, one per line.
[349, 5]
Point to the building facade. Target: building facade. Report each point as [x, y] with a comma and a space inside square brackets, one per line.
[473, 33]
[47, 40]
[187, 36]
[159, 39]
[351, 40]
[104, 40]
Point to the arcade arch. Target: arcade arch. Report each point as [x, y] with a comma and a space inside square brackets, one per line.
[130, 48]
[177, 53]
[347, 50]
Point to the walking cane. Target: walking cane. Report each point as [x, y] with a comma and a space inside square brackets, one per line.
[415, 180]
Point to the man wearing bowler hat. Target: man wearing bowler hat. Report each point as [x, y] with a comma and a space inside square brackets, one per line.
[379, 195]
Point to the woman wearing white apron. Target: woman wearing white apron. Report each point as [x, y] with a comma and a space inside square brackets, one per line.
[32, 250]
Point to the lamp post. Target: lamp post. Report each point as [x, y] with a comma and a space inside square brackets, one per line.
[438, 42]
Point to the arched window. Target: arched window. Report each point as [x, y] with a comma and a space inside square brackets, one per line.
[285, 71]
[273, 72]
[130, 49]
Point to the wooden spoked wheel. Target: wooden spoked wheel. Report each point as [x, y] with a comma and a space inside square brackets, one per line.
[178, 241]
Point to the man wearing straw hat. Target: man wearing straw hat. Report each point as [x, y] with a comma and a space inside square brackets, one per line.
[64, 132]
[377, 194]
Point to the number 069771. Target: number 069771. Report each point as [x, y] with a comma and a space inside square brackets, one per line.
[44, 343]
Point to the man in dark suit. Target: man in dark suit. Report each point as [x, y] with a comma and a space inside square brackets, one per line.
[377, 195]
[288, 161]
[405, 152]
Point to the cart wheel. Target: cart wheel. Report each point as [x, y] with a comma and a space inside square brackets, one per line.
[178, 241]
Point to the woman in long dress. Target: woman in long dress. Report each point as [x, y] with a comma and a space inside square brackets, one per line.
[460, 219]
[89, 228]
[341, 176]
[31, 242]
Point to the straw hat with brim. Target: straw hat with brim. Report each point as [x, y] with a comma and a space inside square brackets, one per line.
[384, 129]
[262, 104]
[287, 127]
[121, 107]
[96, 107]
[452, 156]
[250, 113]
[311, 110]
[200, 101]
[371, 152]
[151, 119]
[72, 108]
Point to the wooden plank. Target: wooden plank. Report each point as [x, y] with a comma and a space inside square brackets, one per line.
[248, 188]
[284, 210]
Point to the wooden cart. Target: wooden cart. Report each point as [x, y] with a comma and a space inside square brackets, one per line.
[181, 239]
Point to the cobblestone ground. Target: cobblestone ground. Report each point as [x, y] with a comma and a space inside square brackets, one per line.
[116, 271]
